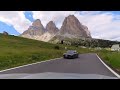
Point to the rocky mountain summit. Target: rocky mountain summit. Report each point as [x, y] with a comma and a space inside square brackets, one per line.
[51, 28]
[71, 28]
[35, 29]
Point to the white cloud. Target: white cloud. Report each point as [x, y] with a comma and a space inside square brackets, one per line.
[15, 18]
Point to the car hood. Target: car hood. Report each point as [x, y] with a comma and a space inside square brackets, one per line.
[52, 75]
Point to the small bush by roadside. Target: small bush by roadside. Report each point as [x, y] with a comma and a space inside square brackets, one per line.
[57, 47]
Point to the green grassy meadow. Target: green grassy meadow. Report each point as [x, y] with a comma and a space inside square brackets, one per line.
[16, 51]
[111, 58]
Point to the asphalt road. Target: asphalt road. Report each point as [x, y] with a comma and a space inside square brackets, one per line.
[85, 64]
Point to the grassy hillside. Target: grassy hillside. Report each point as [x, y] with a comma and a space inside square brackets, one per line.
[15, 51]
[111, 58]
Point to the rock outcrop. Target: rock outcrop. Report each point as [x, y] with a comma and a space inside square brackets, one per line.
[51, 28]
[36, 29]
[71, 27]
[5, 33]
[38, 32]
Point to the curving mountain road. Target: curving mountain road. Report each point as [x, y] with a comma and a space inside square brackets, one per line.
[85, 64]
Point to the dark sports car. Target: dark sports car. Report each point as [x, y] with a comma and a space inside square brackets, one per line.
[71, 54]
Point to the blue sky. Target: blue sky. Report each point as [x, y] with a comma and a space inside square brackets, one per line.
[101, 24]
[29, 15]
[10, 29]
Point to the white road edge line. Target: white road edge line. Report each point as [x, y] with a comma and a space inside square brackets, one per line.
[30, 64]
[109, 67]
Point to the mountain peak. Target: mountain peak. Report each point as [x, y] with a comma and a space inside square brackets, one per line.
[51, 23]
[73, 27]
[51, 27]
[71, 16]
[37, 23]
[35, 29]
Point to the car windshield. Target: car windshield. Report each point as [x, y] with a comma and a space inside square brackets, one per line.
[71, 51]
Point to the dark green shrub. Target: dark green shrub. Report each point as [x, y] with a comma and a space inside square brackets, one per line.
[57, 47]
